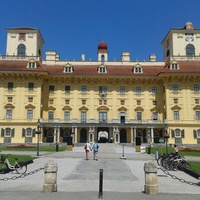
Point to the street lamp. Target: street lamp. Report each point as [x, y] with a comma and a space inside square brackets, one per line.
[57, 139]
[38, 132]
[166, 136]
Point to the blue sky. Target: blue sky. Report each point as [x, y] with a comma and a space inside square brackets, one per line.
[73, 27]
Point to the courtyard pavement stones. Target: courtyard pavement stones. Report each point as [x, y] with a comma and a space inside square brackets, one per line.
[78, 178]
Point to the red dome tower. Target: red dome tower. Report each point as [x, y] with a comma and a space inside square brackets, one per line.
[102, 51]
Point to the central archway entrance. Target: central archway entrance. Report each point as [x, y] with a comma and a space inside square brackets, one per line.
[102, 135]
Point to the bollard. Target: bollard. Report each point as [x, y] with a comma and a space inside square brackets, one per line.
[50, 177]
[151, 185]
[156, 155]
[100, 183]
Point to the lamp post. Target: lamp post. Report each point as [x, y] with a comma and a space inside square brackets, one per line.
[38, 132]
[57, 138]
[166, 136]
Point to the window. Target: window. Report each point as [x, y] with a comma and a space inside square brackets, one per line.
[102, 69]
[21, 50]
[196, 88]
[51, 101]
[9, 114]
[31, 64]
[138, 90]
[102, 58]
[102, 89]
[9, 99]
[122, 90]
[174, 88]
[68, 69]
[29, 114]
[174, 66]
[83, 117]
[30, 86]
[7, 132]
[155, 116]
[139, 115]
[175, 101]
[198, 115]
[122, 102]
[67, 115]
[51, 89]
[50, 115]
[102, 116]
[67, 89]
[30, 99]
[177, 133]
[138, 102]
[190, 50]
[176, 115]
[198, 133]
[154, 90]
[154, 103]
[67, 101]
[100, 102]
[10, 85]
[137, 70]
[28, 132]
[83, 102]
[83, 89]
[196, 101]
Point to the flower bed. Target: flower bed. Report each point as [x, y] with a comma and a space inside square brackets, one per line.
[190, 149]
[21, 146]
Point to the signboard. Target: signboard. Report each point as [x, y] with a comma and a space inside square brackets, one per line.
[161, 141]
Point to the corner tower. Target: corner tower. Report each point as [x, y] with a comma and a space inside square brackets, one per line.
[182, 43]
[102, 51]
[24, 41]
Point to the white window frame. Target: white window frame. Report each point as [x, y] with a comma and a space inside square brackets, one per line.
[29, 114]
[9, 114]
[177, 133]
[28, 132]
[8, 132]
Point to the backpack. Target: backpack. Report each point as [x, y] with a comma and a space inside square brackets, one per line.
[95, 147]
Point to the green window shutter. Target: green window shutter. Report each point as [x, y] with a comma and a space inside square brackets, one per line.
[2, 132]
[33, 133]
[23, 132]
[13, 132]
[183, 133]
[172, 133]
[195, 134]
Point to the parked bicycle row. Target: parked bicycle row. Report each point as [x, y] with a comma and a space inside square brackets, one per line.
[173, 161]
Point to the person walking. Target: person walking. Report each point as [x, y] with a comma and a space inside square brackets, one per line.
[95, 148]
[87, 149]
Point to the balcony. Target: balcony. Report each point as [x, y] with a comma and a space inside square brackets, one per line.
[103, 95]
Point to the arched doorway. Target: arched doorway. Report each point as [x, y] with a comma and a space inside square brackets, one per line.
[66, 135]
[103, 134]
[123, 136]
[83, 135]
[50, 135]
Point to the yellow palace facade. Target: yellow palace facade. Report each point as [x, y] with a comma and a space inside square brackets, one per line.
[119, 101]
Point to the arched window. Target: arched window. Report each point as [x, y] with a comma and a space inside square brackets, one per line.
[190, 50]
[21, 50]
[102, 58]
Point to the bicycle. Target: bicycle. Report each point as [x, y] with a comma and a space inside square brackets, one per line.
[18, 167]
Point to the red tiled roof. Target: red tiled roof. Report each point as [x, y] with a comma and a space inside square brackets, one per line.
[92, 70]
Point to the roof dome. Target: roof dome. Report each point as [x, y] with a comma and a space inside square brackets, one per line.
[102, 45]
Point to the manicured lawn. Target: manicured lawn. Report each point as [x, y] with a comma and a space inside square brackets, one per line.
[195, 166]
[41, 148]
[11, 158]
